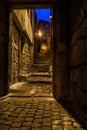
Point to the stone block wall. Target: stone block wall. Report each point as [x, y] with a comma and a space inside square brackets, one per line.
[15, 59]
[78, 64]
[13, 52]
[26, 59]
[31, 57]
[20, 50]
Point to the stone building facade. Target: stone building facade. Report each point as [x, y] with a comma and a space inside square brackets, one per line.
[21, 44]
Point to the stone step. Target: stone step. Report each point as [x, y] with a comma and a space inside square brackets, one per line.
[41, 70]
[40, 79]
[39, 82]
[40, 74]
[41, 67]
[41, 60]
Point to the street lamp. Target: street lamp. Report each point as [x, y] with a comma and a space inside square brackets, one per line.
[39, 37]
[39, 33]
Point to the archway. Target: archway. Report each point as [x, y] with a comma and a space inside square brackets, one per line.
[22, 41]
[60, 74]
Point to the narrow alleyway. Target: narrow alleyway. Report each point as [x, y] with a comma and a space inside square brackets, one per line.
[30, 105]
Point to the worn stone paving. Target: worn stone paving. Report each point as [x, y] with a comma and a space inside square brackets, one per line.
[27, 89]
[34, 112]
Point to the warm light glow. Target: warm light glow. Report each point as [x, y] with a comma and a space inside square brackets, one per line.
[44, 47]
[50, 17]
[39, 33]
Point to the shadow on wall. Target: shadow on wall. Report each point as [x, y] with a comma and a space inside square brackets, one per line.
[67, 105]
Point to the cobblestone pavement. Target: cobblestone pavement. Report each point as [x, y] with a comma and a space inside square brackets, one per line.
[32, 107]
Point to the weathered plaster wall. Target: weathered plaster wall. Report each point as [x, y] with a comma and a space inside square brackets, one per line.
[24, 18]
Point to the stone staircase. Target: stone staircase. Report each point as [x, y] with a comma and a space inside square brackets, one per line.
[36, 84]
[40, 77]
[40, 74]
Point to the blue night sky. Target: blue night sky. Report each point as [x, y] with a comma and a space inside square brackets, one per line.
[43, 14]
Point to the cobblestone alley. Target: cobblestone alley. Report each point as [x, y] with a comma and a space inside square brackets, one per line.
[31, 106]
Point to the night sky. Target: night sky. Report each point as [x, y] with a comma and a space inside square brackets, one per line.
[43, 14]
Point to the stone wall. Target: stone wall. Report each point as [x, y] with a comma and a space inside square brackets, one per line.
[70, 54]
[20, 46]
[15, 51]
[14, 35]
[26, 59]
[61, 50]
[78, 65]
[3, 48]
